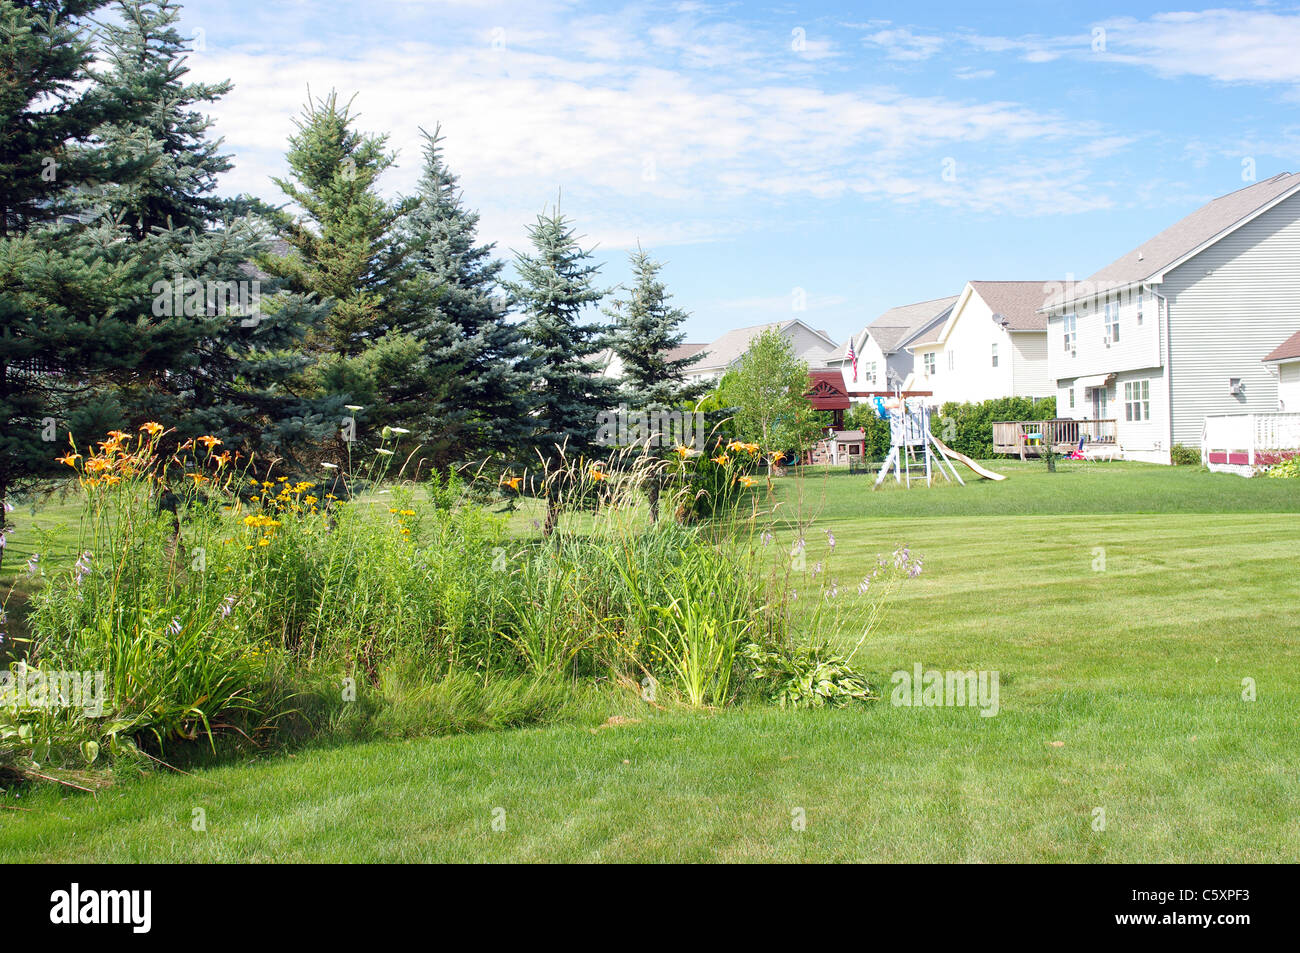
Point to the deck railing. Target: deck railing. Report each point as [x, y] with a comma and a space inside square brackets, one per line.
[1030, 436]
[1234, 440]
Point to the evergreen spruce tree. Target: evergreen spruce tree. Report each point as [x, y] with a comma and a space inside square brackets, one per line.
[230, 350]
[555, 284]
[47, 108]
[476, 359]
[61, 304]
[647, 328]
[162, 167]
[344, 248]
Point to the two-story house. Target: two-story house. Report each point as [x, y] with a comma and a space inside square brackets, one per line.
[1178, 328]
[992, 344]
[883, 361]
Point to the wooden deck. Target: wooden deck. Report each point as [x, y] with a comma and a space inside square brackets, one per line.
[1028, 437]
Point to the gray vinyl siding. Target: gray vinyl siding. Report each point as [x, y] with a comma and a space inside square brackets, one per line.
[1228, 307]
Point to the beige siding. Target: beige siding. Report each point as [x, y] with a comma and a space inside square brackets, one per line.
[1029, 365]
[1228, 307]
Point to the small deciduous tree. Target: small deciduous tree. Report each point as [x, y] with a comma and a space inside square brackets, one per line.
[768, 389]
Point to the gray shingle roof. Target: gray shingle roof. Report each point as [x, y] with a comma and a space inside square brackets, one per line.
[898, 325]
[1016, 301]
[729, 347]
[1153, 257]
[683, 350]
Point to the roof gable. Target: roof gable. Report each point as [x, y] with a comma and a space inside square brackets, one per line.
[1014, 305]
[1189, 235]
[897, 326]
[827, 391]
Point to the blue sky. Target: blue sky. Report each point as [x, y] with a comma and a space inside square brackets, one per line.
[868, 160]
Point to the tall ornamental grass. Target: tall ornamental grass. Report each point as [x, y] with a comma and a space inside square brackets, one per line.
[219, 602]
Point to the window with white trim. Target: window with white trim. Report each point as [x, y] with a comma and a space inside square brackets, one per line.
[1137, 400]
[952, 360]
[1071, 325]
[1071, 398]
[995, 353]
[929, 363]
[1139, 311]
[1112, 322]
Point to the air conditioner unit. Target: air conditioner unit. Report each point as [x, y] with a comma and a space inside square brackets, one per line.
[1236, 387]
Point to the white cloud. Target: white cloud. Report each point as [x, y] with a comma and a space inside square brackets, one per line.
[1253, 46]
[657, 129]
[900, 43]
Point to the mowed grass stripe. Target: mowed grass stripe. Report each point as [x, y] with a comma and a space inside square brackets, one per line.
[1136, 671]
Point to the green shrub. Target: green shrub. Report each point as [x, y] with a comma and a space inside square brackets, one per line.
[1181, 455]
[968, 428]
[875, 429]
[1287, 466]
[807, 677]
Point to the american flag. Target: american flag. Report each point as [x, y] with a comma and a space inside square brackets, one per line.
[853, 356]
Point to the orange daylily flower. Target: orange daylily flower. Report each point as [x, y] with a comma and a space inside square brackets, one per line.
[209, 441]
[153, 427]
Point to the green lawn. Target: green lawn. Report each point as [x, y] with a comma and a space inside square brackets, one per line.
[1121, 689]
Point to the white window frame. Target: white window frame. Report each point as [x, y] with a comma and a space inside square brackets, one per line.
[1070, 325]
[1111, 318]
[995, 353]
[928, 362]
[1137, 401]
